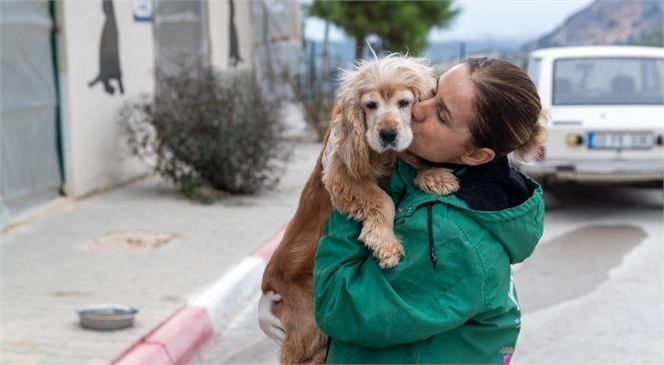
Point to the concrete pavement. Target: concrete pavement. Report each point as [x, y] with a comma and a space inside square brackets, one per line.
[142, 245]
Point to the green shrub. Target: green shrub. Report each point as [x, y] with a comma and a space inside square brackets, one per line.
[208, 129]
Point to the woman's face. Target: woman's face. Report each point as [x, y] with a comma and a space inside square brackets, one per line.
[441, 124]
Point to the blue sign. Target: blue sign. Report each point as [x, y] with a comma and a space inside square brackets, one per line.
[143, 10]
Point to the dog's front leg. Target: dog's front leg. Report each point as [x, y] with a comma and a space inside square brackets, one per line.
[378, 233]
[432, 180]
[436, 180]
[368, 203]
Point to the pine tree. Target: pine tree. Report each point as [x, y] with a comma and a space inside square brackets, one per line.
[402, 26]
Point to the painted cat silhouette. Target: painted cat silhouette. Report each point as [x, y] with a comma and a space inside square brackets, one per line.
[109, 55]
[234, 52]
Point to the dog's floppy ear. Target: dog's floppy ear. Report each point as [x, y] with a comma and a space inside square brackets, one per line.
[425, 82]
[424, 87]
[353, 149]
[418, 74]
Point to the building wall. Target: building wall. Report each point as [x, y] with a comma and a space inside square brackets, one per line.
[95, 156]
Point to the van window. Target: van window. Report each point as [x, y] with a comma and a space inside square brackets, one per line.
[533, 69]
[606, 81]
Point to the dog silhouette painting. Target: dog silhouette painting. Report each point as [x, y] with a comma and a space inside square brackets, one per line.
[109, 55]
[234, 53]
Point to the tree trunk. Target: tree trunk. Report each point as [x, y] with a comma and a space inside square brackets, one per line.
[359, 47]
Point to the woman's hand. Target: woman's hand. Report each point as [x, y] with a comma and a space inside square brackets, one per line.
[267, 321]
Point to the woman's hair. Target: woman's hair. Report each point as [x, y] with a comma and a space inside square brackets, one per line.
[507, 108]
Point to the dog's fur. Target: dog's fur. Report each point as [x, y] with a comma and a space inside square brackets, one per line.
[373, 98]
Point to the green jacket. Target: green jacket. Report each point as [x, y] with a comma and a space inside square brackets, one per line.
[450, 299]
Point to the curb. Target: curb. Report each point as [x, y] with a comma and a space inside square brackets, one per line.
[179, 336]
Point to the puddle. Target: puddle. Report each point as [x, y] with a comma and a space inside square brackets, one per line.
[573, 264]
[129, 241]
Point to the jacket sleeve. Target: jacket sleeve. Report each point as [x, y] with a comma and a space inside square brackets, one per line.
[358, 302]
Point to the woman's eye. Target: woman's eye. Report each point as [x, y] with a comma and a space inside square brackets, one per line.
[371, 105]
[441, 118]
[404, 103]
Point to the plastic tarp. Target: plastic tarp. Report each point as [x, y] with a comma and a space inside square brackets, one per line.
[29, 170]
[181, 34]
[277, 44]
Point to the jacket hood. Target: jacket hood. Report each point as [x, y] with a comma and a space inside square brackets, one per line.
[518, 228]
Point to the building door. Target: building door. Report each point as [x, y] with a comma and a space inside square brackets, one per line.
[30, 170]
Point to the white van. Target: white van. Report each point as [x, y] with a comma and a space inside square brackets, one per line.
[606, 108]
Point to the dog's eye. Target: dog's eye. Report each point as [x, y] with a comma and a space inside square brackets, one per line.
[404, 103]
[371, 105]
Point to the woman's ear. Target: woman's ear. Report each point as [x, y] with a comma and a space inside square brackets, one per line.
[478, 156]
[353, 148]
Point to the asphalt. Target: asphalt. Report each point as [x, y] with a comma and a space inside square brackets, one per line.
[143, 245]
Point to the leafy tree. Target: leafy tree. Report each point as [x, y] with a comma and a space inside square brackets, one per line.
[402, 26]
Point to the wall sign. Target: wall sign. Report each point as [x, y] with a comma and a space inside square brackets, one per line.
[143, 10]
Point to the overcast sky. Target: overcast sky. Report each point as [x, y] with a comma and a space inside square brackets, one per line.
[480, 19]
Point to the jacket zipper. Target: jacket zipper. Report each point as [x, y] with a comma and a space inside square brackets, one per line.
[432, 244]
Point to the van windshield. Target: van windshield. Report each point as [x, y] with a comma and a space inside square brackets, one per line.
[606, 81]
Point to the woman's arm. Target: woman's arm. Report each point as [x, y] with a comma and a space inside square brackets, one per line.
[357, 301]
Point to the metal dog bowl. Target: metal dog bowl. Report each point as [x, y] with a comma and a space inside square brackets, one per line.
[107, 317]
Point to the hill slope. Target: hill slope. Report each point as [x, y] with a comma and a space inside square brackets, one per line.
[606, 22]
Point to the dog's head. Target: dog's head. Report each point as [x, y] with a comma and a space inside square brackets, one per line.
[376, 99]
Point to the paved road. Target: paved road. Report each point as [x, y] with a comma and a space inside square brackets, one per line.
[103, 249]
[591, 293]
[242, 343]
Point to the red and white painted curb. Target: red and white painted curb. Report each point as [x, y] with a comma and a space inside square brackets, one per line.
[178, 338]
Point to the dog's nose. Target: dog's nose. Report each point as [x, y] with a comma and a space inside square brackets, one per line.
[388, 135]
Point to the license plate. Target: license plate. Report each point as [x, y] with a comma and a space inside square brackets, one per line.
[621, 140]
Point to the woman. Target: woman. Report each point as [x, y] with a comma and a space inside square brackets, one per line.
[451, 298]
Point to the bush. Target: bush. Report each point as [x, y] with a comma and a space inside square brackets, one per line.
[208, 129]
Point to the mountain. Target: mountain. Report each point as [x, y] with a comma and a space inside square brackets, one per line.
[607, 22]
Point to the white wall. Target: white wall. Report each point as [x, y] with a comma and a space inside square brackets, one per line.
[219, 28]
[95, 155]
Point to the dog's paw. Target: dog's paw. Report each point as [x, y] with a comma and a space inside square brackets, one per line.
[385, 245]
[437, 181]
[389, 256]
